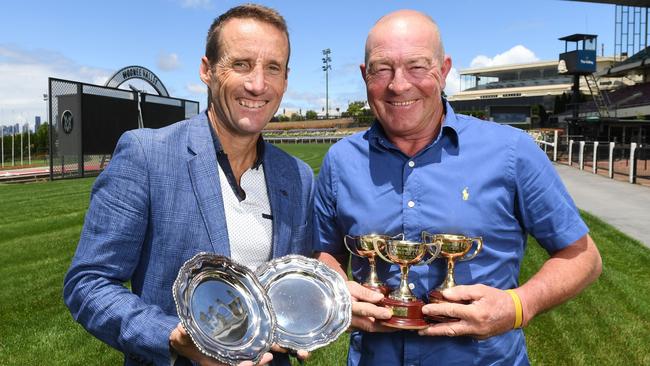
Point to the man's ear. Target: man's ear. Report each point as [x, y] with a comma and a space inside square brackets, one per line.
[205, 71]
[286, 80]
[362, 67]
[445, 68]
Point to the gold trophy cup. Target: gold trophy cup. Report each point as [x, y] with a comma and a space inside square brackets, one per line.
[406, 308]
[364, 246]
[453, 248]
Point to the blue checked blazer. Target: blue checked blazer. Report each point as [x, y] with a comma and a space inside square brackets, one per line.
[156, 205]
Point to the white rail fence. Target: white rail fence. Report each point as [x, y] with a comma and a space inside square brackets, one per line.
[628, 153]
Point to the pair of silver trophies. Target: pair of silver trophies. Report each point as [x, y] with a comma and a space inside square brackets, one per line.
[405, 306]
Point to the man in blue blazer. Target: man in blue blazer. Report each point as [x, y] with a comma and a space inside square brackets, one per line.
[209, 184]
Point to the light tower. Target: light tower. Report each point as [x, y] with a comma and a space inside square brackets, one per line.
[326, 68]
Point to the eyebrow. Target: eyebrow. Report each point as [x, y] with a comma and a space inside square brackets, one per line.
[419, 59]
[408, 60]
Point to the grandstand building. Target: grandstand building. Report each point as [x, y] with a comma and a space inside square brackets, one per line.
[625, 117]
[521, 94]
[611, 102]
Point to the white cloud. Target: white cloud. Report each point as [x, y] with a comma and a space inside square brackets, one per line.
[196, 88]
[302, 99]
[453, 82]
[516, 55]
[168, 61]
[24, 80]
[200, 4]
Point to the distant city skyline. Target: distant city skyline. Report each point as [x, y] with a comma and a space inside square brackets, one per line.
[88, 42]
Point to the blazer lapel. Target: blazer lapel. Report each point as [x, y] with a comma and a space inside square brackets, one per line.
[278, 185]
[202, 166]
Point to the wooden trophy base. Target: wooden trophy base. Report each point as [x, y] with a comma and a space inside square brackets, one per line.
[435, 297]
[406, 314]
[384, 290]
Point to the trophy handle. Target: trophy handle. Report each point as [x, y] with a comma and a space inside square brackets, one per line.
[435, 253]
[378, 251]
[431, 240]
[427, 237]
[399, 236]
[479, 245]
[347, 245]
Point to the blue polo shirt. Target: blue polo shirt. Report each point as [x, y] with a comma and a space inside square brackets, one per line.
[476, 178]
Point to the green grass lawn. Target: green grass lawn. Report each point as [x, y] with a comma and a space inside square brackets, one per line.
[608, 324]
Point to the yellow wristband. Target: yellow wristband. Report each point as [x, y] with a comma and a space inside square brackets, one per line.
[519, 311]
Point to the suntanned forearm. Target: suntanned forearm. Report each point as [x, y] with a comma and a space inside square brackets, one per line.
[561, 277]
[337, 263]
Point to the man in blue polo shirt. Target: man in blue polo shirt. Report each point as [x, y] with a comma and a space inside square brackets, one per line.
[421, 167]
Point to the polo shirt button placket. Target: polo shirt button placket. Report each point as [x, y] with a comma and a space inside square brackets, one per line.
[411, 204]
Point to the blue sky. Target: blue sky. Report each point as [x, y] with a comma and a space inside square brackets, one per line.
[89, 40]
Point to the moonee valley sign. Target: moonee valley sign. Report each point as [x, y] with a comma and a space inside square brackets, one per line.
[137, 72]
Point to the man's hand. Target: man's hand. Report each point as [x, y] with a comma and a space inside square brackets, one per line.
[365, 314]
[490, 312]
[182, 343]
[300, 354]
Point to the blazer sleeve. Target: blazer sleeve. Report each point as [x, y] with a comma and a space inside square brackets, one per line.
[308, 197]
[109, 252]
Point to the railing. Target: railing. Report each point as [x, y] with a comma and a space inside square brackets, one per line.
[615, 160]
[545, 140]
[304, 139]
[610, 159]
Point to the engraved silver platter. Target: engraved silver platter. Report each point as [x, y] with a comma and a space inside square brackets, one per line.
[311, 302]
[224, 309]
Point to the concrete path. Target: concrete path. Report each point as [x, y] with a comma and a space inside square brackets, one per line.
[623, 205]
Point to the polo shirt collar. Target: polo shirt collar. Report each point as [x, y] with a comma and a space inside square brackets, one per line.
[450, 127]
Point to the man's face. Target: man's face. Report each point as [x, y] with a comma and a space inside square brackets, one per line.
[404, 78]
[248, 81]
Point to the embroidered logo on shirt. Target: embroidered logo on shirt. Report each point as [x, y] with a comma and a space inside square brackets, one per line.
[465, 194]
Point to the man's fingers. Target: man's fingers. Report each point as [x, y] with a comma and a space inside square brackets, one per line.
[464, 293]
[365, 309]
[448, 309]
[303, 355]
[179, 337]
[276, 348]
[490, 312]
[361, 293]
[451, 329]
[370, 325]
[266, 358]
[366, 315]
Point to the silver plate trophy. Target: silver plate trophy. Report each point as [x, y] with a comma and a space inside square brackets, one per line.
[224, 309]
[311, 301]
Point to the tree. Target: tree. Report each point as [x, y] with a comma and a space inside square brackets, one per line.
[538, 115]
[41, 139]
[296, 117]
[311, 115]
[355, 108]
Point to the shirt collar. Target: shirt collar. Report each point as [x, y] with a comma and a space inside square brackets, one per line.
[219, 149]
[450, 128]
